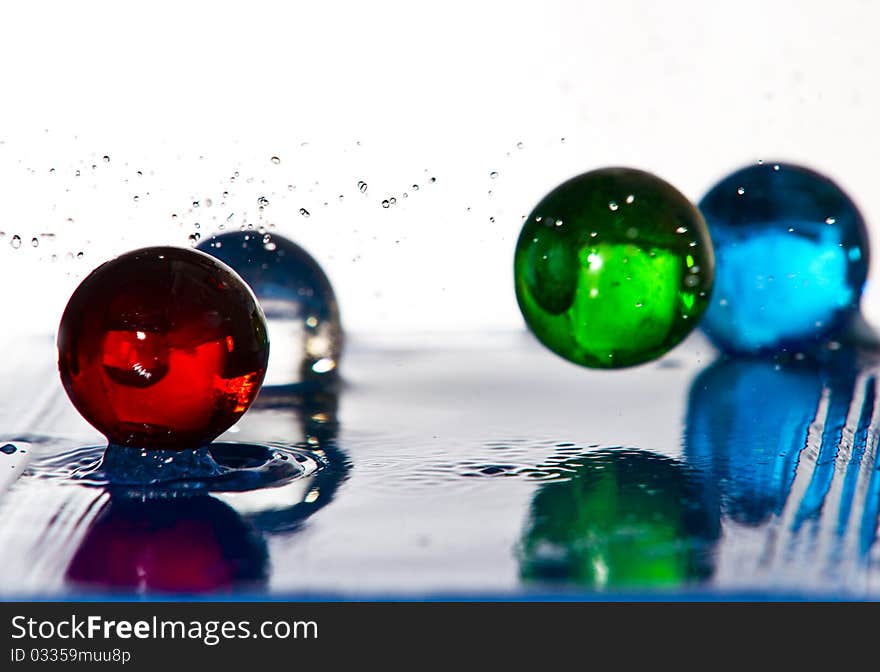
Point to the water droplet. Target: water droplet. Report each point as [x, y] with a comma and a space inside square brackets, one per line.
[386, 204]
[630, 199]
[362, 187]
[776, 167]
[304, 212]
[393, 200]
[493, 174]
[612, 205]
[491, 219]
[740, 190]
[51, 170]
[276, 160]
[196, 204]
[79, 255]
[16, 241]
[432, 180]
[136, 198]
[519, 145]
[262, 201]
[830, 220]
[415, 187]
[35, 242]
[106, 159]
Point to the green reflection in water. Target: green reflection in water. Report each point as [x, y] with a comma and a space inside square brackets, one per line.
[623, 519]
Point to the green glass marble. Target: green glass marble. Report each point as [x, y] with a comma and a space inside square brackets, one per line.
[613, 268]
[623, 519]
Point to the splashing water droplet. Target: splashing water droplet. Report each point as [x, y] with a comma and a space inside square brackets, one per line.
[304, 212]
[262, 201]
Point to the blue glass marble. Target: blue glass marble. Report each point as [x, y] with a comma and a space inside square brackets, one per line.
[791, 258]
[302, 316]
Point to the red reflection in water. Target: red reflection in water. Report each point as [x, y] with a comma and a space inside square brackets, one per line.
[193, 545]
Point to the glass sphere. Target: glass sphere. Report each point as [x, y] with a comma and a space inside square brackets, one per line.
[792, 258]
[162, 348]
[297, 299]
[613, 268]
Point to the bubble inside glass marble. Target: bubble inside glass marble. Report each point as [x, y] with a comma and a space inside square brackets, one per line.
[162, 348]
[613, 268]
[792, 258]
[297, 299]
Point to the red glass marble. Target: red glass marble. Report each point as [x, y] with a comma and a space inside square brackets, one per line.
[162, 348]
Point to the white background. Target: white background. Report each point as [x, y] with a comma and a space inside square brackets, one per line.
[393, 94]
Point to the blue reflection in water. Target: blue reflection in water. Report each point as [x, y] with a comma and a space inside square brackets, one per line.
[793, 438]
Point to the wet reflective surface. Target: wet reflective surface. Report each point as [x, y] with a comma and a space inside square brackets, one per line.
[477, 466]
